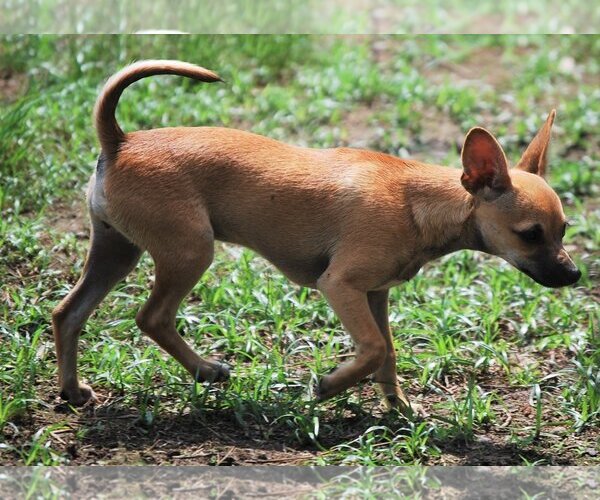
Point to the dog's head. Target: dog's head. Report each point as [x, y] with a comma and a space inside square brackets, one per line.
[518, 215]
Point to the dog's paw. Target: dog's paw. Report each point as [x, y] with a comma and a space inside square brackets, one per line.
[223, 372]
[415, 413]
[411, 411]
[218, 372]
[323, 390]
[79, 396]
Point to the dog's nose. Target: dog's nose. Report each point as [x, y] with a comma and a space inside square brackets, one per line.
[572, 274]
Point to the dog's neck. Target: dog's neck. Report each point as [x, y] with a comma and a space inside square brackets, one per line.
[443, 211]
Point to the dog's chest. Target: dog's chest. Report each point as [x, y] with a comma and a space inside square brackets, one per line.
[405, 272]
[409, 269]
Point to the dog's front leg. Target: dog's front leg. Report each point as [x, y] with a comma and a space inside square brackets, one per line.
[386, 376]
[352, 308]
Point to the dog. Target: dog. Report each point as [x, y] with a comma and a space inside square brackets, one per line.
[351, 223]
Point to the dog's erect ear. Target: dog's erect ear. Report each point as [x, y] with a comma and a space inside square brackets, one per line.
[535, 157]
[485, 167]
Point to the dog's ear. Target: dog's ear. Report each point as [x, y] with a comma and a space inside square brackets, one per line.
[535, 157]
[485, 167]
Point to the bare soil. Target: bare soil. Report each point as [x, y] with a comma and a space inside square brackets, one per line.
[112, 432]
[12, 85]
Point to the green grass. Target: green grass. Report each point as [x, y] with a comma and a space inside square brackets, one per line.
[301, 16]
[508, 370]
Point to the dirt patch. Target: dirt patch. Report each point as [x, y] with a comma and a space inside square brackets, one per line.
[119, 431]
[114, 433]
[512, 438]
[65, 219]
[484, 65]
[360, 133]
[70, 217]
[12, 85]
[440, 135]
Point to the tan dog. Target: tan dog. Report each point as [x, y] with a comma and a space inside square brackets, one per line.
[348, 222]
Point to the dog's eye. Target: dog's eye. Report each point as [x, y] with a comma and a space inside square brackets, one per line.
[564, 229]
[531, 235]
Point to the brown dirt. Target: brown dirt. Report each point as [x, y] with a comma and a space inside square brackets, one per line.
[70, 218]
[483, 65]
[360, 133]
[114, 432]
[440, 139]
[12, 85]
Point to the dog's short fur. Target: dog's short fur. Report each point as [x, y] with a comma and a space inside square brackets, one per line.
[348, 222]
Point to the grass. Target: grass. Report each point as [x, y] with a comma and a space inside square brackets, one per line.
[295, 16]
[508, 370]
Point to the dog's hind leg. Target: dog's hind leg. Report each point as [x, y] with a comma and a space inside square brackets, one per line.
[179, 265]
[110, 258]
[386, 376]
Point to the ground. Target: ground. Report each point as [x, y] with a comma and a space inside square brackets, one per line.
[507, 371]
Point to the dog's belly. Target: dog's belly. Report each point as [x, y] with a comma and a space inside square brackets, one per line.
[298, 248]
[304, 271]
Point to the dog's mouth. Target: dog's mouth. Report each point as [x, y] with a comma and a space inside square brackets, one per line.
[553, 280]
[526, 271]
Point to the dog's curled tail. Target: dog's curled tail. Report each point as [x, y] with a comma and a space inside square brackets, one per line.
[107, 128]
